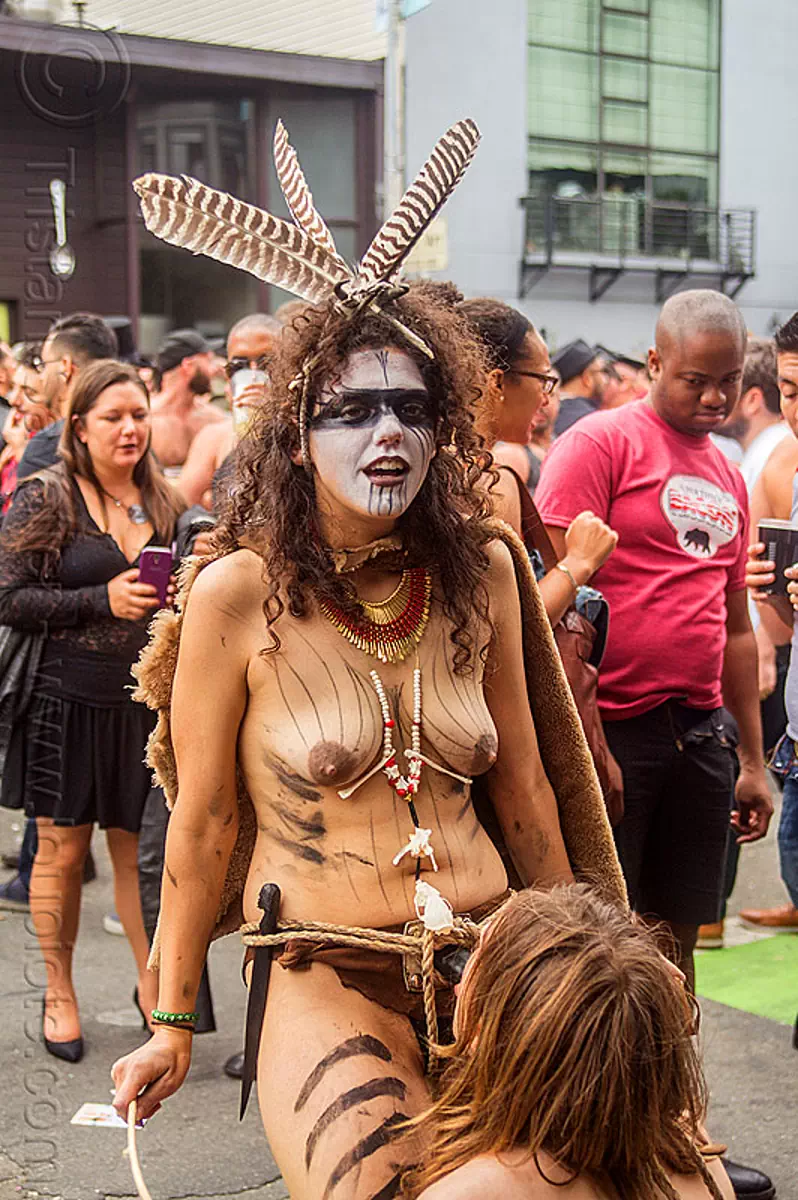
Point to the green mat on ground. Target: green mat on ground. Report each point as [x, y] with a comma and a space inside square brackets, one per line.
[759, 977]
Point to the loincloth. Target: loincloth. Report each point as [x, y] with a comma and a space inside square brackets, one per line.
[392, 980]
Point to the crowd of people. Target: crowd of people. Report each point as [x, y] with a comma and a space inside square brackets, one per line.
[445, 778]
[104, 460]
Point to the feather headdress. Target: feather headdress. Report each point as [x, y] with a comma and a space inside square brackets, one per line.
[301, 257]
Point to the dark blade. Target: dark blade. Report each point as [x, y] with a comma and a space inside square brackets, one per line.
[269, 903]
[451, 963]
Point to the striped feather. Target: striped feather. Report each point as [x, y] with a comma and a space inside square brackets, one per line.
[298, 196]
[420, 204]
[187, 213]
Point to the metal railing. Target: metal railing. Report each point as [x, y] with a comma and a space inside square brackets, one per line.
[627, 227]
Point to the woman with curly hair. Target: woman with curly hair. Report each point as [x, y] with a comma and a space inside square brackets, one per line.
[574, 1072]
[351, 662]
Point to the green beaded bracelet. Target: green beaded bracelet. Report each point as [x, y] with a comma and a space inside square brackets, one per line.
[167, 1018]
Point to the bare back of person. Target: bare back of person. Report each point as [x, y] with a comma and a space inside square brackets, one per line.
[174, 427]
[515, 1176]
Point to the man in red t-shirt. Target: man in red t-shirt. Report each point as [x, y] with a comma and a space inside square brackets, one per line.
[680, 642]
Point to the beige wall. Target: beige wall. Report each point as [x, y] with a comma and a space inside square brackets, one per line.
[338, 28]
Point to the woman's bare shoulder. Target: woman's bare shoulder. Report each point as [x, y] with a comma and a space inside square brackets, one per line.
[232, 585]
[501, 568]
[502, 488]
[472, 1180]
[513, 1177]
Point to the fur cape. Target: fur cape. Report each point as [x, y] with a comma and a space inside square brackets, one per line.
[563, 748]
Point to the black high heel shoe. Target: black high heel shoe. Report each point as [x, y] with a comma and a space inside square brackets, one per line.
[144, 1024]
[71, 1052]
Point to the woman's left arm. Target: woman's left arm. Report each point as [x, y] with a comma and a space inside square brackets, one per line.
[522, 795]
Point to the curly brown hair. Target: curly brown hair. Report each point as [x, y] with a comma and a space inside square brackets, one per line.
[573, 1040]
[271, 507]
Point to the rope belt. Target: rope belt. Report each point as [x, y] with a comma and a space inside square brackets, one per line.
[417, 945]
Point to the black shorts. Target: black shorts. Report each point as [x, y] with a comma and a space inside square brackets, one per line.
[678, 776]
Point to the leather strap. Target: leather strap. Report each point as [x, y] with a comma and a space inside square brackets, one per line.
[533, 531]
[269, 903]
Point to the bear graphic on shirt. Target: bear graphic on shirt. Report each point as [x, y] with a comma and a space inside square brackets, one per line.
[703, 516]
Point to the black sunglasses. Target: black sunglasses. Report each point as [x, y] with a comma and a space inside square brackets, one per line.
[549, 381]
[245, 364]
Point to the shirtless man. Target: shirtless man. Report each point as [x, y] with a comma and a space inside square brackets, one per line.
[250, 345]
[179, 411]
[307, 721]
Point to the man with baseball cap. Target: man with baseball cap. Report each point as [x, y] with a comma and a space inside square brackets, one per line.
[185, 362]
[584, 382]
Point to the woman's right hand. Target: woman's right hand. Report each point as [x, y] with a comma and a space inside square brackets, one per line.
[130, 600]
[589, 542]
[759, 572]
[156, 1069]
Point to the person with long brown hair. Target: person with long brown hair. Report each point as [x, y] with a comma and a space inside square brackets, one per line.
[364, 631]
[519, 381]
[573, 1072]
[69, 556]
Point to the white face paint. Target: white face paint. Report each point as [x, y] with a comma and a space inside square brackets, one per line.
[372, 434]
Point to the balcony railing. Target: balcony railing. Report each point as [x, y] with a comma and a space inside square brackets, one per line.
[614, 233]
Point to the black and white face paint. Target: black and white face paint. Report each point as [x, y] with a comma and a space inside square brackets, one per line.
[372, 434]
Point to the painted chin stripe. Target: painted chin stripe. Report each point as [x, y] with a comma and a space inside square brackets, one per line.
[362, 1044]
[367, 1146]
[384, 1086]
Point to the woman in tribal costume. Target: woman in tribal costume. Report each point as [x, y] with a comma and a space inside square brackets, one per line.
[364, 647]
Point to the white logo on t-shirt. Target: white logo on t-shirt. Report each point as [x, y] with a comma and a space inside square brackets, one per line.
[704, 517]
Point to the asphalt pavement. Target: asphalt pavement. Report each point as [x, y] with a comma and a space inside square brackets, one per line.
[196, 1149]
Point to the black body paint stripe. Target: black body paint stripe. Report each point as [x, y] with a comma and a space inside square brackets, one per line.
[430, 724]
[349, 878]
[381, 1136]
[303, 685]
[362, 1044]
[295, 783]
[361, 688]
[395, 704]
[377, 861]
[333, 684]
[382, 358]
[470, 733]
[307, 828]
[300, 849]
[366, 862]
[392, 1188]
[446, 847]
[359, 709]
[401, 838]
[468, 699]
[464, 809]
[385, 1086]
[287, 705]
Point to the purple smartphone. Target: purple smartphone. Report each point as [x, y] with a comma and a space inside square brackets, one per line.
[155, 567]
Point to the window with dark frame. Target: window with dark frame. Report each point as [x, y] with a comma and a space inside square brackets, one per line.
[622, 122]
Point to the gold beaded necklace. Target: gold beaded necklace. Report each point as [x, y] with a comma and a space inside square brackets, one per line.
[389, 629]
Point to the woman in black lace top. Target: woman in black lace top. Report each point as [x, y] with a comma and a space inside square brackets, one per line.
[69, 568]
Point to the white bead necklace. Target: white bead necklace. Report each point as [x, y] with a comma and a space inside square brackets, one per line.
[405, 787]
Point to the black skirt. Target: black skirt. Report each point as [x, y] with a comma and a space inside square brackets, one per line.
[80, 764]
